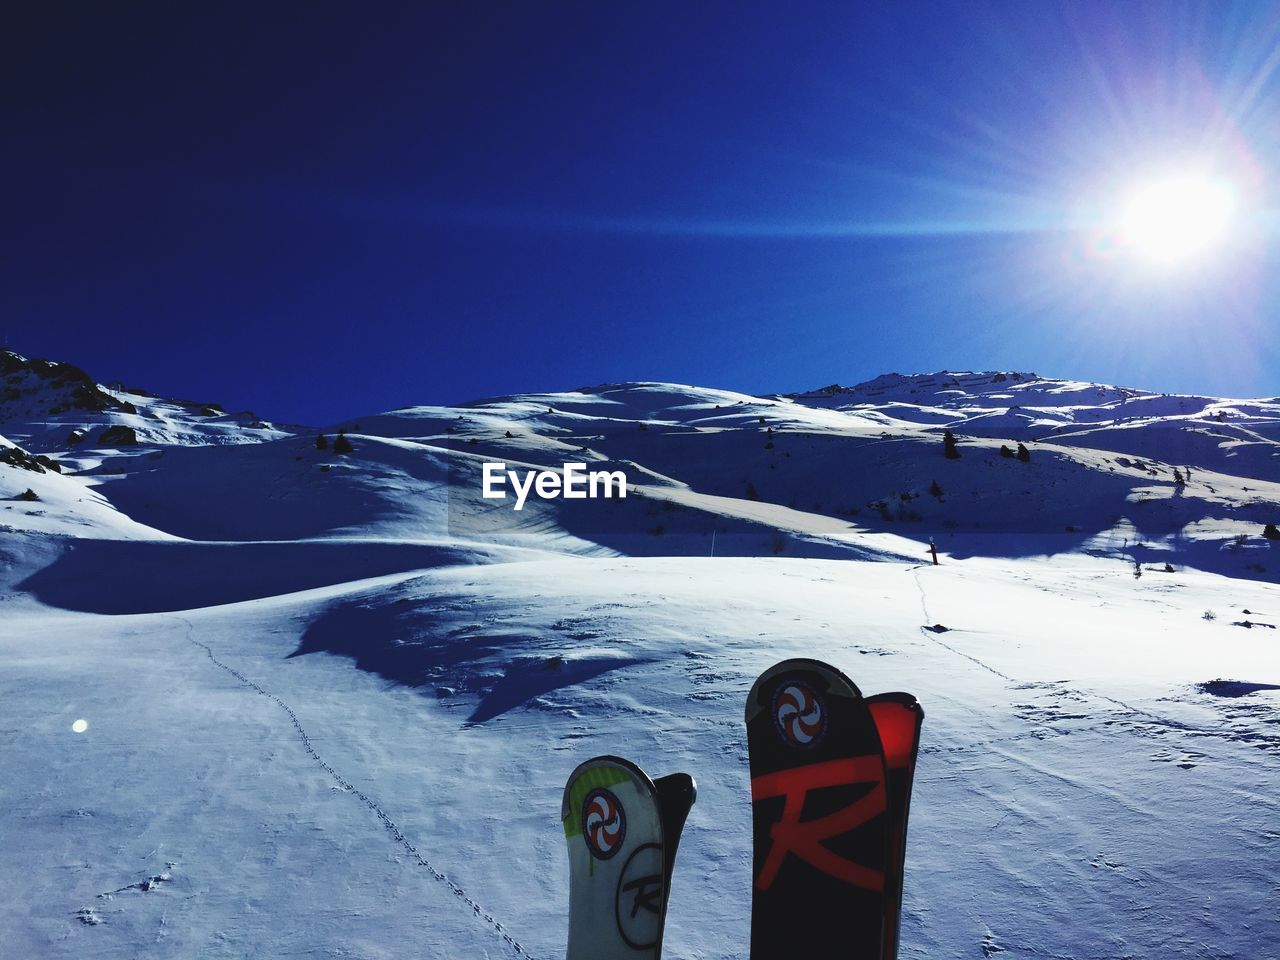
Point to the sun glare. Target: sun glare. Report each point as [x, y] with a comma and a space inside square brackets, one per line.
[1177, 219]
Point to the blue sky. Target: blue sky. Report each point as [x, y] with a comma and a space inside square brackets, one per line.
[323, 210]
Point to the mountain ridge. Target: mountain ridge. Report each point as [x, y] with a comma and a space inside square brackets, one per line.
[856, 471]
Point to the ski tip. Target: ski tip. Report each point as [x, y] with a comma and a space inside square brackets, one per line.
[680, 784]
[828, 677]
[898, 718]
[905, 700]
[600, 771]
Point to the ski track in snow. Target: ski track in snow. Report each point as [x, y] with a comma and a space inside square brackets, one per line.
[1141, 716]
[929, 634]
[390, 825]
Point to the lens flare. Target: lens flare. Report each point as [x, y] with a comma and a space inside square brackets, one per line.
[1177, 219]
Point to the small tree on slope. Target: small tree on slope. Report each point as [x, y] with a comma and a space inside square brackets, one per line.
[949, 449]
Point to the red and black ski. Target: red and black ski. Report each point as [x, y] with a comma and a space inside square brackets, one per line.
[898, 718]
[828, 833]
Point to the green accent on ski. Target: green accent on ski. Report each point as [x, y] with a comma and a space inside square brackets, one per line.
[605, 775]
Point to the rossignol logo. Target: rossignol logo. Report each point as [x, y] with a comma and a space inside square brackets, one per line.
[638, 901]
[792, 836]
[604, 825]
[573, 482]
[799, 714]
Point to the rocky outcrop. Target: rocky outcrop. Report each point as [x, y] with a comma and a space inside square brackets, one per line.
[60, 386]
[118, 435]
[17, 457]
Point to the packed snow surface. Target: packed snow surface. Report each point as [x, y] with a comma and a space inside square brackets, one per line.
[265, 699]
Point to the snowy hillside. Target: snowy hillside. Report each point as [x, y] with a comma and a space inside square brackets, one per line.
[49, 407]
[1239, 437]
[324, 702]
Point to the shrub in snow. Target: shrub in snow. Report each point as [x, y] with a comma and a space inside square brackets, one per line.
[322, 442]
[1024, 454]
[28, 495]
[935, 489]
[949, 445]
[342, 444]
[1270, 532]
[1208, 615]
[1006, 452]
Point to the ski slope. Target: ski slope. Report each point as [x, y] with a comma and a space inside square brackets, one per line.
[329, 712]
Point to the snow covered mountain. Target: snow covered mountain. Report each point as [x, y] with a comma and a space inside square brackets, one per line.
[51, 407]
[329, 698]
[1239, 437]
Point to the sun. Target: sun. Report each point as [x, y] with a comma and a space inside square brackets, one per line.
[1177, 219]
